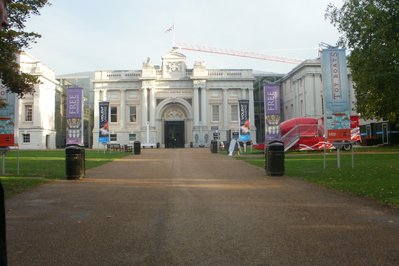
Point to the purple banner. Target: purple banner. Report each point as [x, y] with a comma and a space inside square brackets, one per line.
[74, 116]
[103, 135]
[272, 112]
[245, 134]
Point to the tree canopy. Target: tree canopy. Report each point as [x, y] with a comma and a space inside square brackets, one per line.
[370, 30]
[13, 40]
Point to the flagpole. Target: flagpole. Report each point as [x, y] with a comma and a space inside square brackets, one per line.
[174, 36]
[172, 28]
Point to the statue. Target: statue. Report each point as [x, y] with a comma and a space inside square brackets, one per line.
[147, 63]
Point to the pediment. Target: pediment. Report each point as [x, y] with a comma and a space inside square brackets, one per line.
[174, 65]
[174, 55]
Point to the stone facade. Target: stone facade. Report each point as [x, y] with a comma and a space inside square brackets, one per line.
[171, 105]
[34, 113]
[302, 91]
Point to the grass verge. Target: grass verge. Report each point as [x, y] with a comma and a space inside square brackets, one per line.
[39, 167]
[375, 174]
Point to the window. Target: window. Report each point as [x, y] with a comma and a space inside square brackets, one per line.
[114, 114]
[26, 138]
[132, 114]
[234, 112]
[215, 113]
[28, 113]
[113, 137]
[132, 137]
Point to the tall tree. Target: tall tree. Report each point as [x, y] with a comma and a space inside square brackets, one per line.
[13, 40]
[370, 29]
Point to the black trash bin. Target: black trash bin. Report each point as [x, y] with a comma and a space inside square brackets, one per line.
[274, 157]
[137, 147]
[214, 146]
[74, 162]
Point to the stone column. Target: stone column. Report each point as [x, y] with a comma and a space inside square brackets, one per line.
[243, 94]
[204, 107]
[98, 94]
[104, 95]
[152, 107]
[225, 109]
[144, 117]
[196, 107]
[123, 109]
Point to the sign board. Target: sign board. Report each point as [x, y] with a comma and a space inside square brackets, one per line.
[216, 135]
[245, 134]
[74, 116]
[7, 116]
[337, 121]
[103, 134]
[272, 112]
[6, 131]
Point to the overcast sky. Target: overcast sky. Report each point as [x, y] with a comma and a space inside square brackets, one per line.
[91, 35]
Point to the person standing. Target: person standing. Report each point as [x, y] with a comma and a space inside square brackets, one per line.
[3, 242]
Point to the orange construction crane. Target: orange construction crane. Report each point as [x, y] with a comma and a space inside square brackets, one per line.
[206, 49]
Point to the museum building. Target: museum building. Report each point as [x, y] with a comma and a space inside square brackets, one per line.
[171, 105]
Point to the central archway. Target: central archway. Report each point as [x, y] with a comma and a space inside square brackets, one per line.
[175, 120]
[174, 136]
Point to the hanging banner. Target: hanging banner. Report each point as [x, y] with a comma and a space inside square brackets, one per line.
[7, 131]
[103, 135]
[272, 112]
[337, 121]
[244, 120]
[7, 115]
[74, 116]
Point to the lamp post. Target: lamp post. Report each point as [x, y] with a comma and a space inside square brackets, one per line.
[3, 242]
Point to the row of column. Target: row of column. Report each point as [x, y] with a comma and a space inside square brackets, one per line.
[200, 105]
[147, 100]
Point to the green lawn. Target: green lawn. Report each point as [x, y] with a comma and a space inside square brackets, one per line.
[375, 173]
[38, 167]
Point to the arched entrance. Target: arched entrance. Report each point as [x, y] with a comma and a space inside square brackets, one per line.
[174, 117]
[174, 134]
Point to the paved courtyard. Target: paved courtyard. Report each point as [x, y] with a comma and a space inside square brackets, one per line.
[191, 207]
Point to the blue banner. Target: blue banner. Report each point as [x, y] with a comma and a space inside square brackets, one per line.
[245, 134]
[336, 94]
[103, 134]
